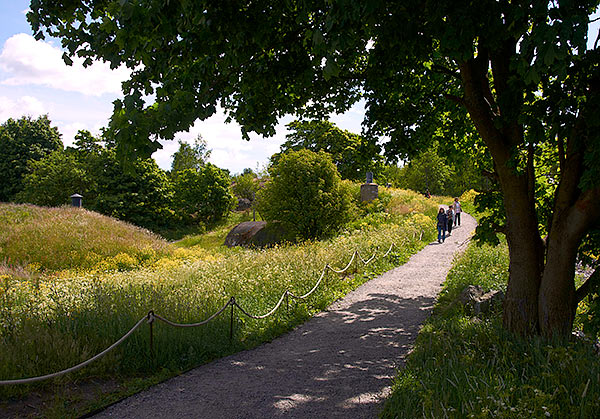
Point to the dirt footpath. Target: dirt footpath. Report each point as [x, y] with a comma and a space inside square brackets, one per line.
[340, 364]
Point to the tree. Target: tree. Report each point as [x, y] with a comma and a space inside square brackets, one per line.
[21, 141]
[246, 185]
[203, 195]
[305, 193]
[428, 171]
[353, 154]
[440, 170]
[140, 193]
[190, 156]
[53, 179]
[520, 73]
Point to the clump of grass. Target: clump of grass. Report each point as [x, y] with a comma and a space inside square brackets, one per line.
[405, 201]
[471, 367]
[50, 239]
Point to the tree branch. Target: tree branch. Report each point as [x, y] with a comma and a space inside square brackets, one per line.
[584, 289]
[454, 98]
[444, 70]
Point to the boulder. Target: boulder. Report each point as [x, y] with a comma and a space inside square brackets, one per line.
[256, 234]
[476, 301]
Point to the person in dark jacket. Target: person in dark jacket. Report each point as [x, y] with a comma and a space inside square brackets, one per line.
[442, 221]
[450, 214]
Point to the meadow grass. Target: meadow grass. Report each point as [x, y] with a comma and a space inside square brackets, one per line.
[60, 318]
[464, 366]
[34, 239]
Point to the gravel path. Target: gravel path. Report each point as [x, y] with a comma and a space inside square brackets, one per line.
[339, 364]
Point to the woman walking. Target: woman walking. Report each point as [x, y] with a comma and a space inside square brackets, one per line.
[442, 221]
[450, 214]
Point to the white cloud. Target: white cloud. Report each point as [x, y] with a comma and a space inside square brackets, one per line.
[25, 105]
[28, 62]
[229, 149]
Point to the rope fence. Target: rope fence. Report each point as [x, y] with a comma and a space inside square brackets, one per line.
[151, 317]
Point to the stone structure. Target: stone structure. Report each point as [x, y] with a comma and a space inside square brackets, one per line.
[369, 190]
[255, 234]
[476, 301]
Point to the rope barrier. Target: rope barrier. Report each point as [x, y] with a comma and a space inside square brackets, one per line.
[302, 297]
[78, 366]
[170, 323]
[151, 317]
[347, 266]
[273, 310]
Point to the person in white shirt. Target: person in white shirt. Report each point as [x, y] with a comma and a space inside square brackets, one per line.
[457, 211]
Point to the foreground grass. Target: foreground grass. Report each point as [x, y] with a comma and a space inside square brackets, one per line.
[60, 318]
[466, 366]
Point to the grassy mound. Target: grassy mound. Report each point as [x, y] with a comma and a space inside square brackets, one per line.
[36, 238]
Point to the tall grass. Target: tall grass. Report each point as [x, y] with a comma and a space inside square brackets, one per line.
[55, 321]
[465, 366]
[49, 239]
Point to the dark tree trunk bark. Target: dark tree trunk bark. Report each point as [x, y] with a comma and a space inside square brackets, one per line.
[525, 265]
[557, 289]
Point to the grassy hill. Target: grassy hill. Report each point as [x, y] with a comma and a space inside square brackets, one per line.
[34, 239]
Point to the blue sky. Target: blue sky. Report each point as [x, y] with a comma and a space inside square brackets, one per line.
[35, 81]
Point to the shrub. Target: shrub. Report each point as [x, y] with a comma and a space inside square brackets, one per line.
[305, 194]
[245, 186]
[203, 195]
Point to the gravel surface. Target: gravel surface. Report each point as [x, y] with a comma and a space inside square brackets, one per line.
[339, 364]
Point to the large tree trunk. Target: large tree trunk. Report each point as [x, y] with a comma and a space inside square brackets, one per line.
[524, 242]
[557, 289]
[526, 261]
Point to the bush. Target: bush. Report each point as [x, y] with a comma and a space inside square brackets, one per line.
[305, 193]
[245, 186]
[203, 195]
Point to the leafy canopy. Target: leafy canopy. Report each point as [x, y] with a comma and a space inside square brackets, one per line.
[190, 156]
[21, 141]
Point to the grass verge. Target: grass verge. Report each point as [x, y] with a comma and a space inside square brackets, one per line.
[469, 367]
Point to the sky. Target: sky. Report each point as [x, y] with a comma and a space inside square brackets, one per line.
[35, 81]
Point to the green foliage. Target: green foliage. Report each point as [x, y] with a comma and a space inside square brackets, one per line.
[428, 171]
[141, 194]
[305, 194]
[202, 195]
[246, 185]
[53, 179]
[471, 367]
[440, 171]
[352, 154]
[21, 141]
[190, 156]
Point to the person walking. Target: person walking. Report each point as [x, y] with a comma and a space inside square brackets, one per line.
[457, 211]
[450, 215]
[442, 222]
